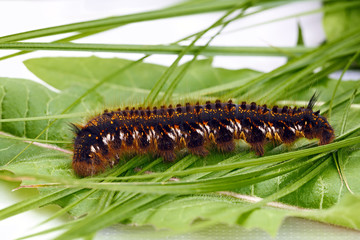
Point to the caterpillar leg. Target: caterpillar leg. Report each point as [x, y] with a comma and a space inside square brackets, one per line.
[258, 148]
[225, 140]
[165, 148]
[195, 144]
[256, 140]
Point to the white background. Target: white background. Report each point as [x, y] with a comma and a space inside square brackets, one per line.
[18, 16]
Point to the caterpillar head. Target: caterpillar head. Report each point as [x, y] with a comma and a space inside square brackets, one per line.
[317, 126]
[89, 156]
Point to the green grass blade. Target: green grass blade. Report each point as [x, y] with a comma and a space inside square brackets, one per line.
[62, 116]
[119, 20]
[240, 162]
[33, 140]
[170, 90]
[34, 203]
[123, 209]
[150, 99]
[312, 172]
[206, 185]
[340, 79]
[159, 49]
[349, 40]
[62, 40]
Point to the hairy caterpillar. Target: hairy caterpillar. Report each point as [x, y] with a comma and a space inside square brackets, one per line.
[164, 131]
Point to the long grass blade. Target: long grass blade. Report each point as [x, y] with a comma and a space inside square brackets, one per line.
[150, 99]
[340, 79]
[159, 49]
[126, 19]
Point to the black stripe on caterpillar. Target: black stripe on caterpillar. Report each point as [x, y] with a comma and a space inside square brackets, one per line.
[166, 130]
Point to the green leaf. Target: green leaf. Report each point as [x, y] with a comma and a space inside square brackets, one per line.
[22, 98]
[41, 165]
[207, 208]
[37, 160]
[135, 83]
[63, 73]
[345, 213]
[336, 23]
[298, 180]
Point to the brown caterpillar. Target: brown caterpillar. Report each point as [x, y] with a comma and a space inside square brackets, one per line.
[164, 131]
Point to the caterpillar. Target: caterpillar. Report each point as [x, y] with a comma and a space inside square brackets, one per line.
[166, 130]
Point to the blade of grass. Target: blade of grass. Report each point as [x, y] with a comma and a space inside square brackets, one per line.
[159, 49]
[189, 187]
[324, 9]
[50, 230]
[340, 79]
[35, 202]
[126, 19]
[113, 214]
[304, 178]
[341, 143]
[117, 214]
[62, 116]
[174, 83]
[180, 165]
[272, 4]
[309, 81]
[62, 40]
[128, 165]
[145, 201]
[326, 51]
[341, 99]
[263, 7]
[338, 160]
[346, 112]
[240, 162]
[151, 97]
[57, 228]
[33, 140]
[309, 69]
[121, 210]
[338, 156]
